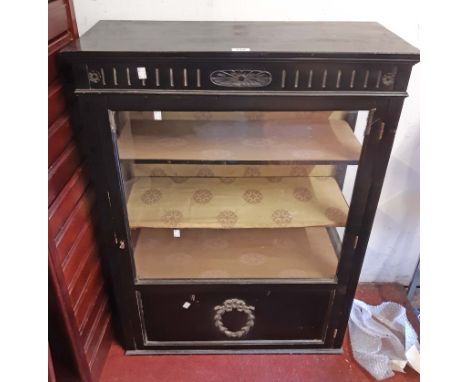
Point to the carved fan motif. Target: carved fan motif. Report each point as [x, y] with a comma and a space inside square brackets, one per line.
[241, 78]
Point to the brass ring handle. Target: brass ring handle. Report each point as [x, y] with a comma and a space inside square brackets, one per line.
[228, 306]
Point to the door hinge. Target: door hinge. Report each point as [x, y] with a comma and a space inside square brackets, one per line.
[381, 130]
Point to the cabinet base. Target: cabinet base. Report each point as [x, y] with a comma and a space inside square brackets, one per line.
[233, 351]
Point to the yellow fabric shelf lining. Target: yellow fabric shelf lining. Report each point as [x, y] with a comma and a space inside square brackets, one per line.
[229, 170]
[329, 141]
[241, 253]
[255, 202]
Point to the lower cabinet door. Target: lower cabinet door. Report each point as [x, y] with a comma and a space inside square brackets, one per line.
[187, 315]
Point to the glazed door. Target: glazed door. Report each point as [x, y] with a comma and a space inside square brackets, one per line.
[240, 190]
[245, 195]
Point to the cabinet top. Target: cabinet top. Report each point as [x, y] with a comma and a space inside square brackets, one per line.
[243, 39]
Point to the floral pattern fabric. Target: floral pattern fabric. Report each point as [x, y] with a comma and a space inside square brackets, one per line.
[181, 171]
[250, 202]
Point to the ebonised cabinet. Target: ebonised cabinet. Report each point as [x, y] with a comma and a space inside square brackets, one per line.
[238, 168]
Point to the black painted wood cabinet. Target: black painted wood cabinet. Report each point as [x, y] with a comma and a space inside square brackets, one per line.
[238, 168]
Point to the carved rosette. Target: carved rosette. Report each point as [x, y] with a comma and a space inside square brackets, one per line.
[388, 79]
[94, 76]
[234, 78]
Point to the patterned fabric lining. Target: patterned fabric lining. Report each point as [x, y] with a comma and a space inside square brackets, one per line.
[250, 202]
[228, 171]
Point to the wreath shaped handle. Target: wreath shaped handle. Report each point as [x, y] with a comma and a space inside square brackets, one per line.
[228, 306]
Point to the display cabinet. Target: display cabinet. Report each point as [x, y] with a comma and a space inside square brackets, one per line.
[238, 168]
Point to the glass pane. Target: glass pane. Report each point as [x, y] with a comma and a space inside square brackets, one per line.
[237, 194]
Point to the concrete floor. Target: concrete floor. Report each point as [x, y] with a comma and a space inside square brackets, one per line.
[271, 368]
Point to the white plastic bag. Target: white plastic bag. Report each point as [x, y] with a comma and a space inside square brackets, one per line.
[382, 338]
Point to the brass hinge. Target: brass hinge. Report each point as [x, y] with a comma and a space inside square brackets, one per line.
[381, 130]
[371, 122]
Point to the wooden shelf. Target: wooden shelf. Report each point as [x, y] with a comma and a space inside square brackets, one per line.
[254, 141]
[255, 202]
[243, 253]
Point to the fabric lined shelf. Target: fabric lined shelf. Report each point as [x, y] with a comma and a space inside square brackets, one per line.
[243, 253]
[254, 202]
[228, 170]
[292, 140]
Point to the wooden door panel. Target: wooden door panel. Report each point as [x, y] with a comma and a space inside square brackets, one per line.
[62, 170]
[57, 102]
[58, 23]
[73, 226]
[54, 48]
[74, 253]
[84, 241]
[66, 201]
[60, 134]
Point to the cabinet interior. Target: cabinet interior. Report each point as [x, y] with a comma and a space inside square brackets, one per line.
[235, 195]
